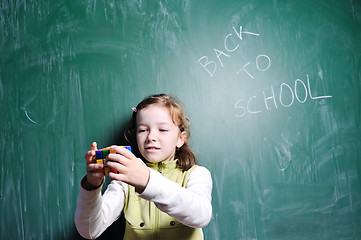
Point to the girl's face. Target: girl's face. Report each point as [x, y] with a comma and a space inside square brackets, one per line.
[157, 135]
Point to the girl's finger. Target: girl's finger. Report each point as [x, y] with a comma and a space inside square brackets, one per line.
[117, 158]
[117, 176]
[93, 146]
[123, 151]
[94, 167]
[116, 166]
[89, 156]
[96, 174]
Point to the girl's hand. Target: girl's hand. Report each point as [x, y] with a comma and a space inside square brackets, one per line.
[95, 174]
[132, 170]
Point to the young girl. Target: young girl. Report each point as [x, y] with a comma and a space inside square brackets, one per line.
[169, 197]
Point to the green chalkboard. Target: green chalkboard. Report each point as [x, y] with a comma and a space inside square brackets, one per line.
[272, 89]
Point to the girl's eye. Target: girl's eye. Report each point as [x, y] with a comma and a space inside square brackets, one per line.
[163, 130]
[141, 130]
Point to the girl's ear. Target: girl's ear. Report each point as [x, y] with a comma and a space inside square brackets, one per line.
[182, 139]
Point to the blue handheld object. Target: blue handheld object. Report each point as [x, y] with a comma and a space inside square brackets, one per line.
[99, 154]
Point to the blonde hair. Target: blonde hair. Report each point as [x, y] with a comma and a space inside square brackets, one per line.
[184, 155]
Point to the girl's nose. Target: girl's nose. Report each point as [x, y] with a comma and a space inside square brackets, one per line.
[151, 136]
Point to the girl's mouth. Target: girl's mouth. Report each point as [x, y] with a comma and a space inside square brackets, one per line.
[152, 148]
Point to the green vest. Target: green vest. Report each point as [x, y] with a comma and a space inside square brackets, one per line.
[145, 221]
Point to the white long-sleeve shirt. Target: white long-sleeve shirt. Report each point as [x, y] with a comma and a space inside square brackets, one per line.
[190, 206]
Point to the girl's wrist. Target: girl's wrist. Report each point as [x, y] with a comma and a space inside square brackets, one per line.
[87, 185]
[140, 189]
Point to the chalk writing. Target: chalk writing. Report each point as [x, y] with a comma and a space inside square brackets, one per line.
[25, 111]
[211, 66]
[285, 95]
[262, 68]
[27, 115]
[270, 99]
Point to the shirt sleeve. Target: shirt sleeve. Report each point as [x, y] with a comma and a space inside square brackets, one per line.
[95, 212]
[191, 205]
